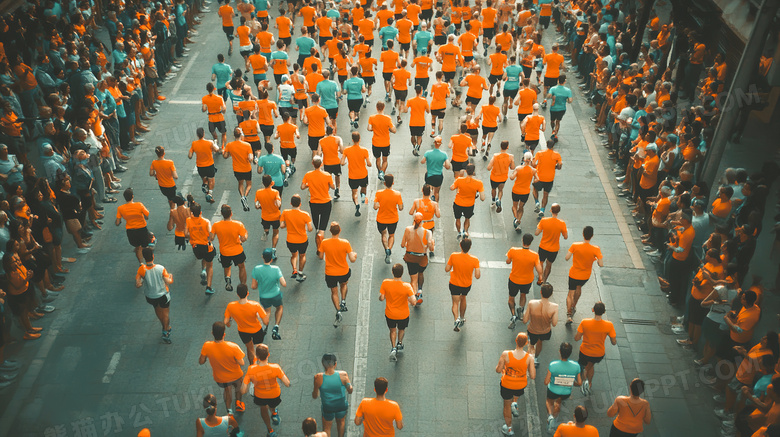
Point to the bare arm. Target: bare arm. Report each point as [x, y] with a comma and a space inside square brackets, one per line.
[613, 409]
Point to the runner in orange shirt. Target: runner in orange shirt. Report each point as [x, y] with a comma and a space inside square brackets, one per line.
[405, 28]
[330, 148]
[467, 40]
[463, 266]
[551, 229]
[197, 229]
[531, 126]
[389, 59]
[488, 14]
[419, 107]
[381, 125]
[231, 235]
[285, 25]
[336, 251]
[226, 13]
[593, 332]
[499, 167]
[226, 359]
[316, 117]
[577, 428]
[439, 93]
[268, 201]
[378, 414]
[476, 85]
[516, 366]
[418, 240]
[319, 184]
[490, 115]
[467, 188]
[298, 223]
[523, 175]
[546, 163]
[397, 295]
[165, 172]
[387, 203]
[358, 160]
[242, 156]
[632, 411]
[498, 63]
[267, 394]
[526, 97]
[215, 106]
[555, 64]
[449, 55]
[250, 318]
[582, 255]
[287, 133]
[523, 261]
[135, 214]
[177, 219]
[367, 65]
[308, 13]
[400, 80]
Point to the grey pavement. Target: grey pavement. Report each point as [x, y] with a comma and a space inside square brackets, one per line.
[101, 369]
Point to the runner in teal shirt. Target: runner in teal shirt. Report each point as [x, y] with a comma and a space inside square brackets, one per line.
[387, 33]
[421, 40]
[327, 90]
[304, 44]
[435, 160]
[562, 376]
[354, 87]
[512, 83]
[272, 165]
[560, 96]
[221, 73]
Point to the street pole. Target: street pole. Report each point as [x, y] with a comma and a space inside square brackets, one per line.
[748, 64]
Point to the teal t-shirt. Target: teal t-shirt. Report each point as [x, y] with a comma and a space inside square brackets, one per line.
[564, 373]
[562, 95]
[434, 161]
[261, 5]
[327, 90]
[333, 14]
[278, 54]
[387, 33]
[512, 77]
[223, 73]
[304, 44]
[354, 87]
[267, 277]
[422, 37]
[272, 166]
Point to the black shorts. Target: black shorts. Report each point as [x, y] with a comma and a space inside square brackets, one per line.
[473, 100]
[268, 224]
[228, 31]
[489, 129]
[520, 197]
[440, 40]
[462, 211]
[207, 172]
[515, 288]
[320, 214]
[217, 126]
[544, 21]
[288, 153]
[458, 165]
[422, 81]
[235, 260]
[160, 302]
[527, 71]
[507, 394]
[380, 151]
[354, 184]
[267, 129]
[205, 252]
[556, 115]
[257, 146]
[473, 132]
[489, 32]
[286, 40]
[255, 338]
[552, 396]
[449, 75]
[333, 113]
[314, 142]
[494, 185]
[533, 338]
[302, 104]
[550, 81]
[494, 78]
[334, 169]
[696, 313]
[543, 186]
[169, 192]
[270, 403]
[531, 144]
[369, 80]
[546, 255]
[585, 359]
[406, 45]
[457, 290]
[324, 39]
[400, 94]
[311, 31]
[435, 180]
[417, 131]
[243, 175]
[139, 237]
[389, 227]
[400, 324]
[415, 268]
[574, 283]
[334, 281]
[299, 248]
[369, 42]
[521, 117]
[354, 104]
[437, 113]
[468, 59]
[387, 76]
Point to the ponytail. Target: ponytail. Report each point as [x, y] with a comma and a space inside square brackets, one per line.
[210, 404]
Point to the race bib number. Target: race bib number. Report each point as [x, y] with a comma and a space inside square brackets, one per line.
[564, 381]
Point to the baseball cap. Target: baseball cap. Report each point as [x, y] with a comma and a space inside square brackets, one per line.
[268, 253]
[651, 148]
[285, 78]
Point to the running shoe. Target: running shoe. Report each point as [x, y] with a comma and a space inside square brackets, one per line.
[301, 277]
[507, 430]
[550, 424]
[536, 362]
[166, 336]
[274, 257]
[586, 388]
[498, 206]
[381, 176]
[357, 210]
[272, 434]
[343, 306]
[569, 320]
[515, 411]
[209, 198]
[338, 320]
[294, 275]
[203, 277]
[419, 298]
[537, 206]
[264, 237]
[240, 407]
[457, 325]
[228, 284]
[209, 291]
[516, 224]
[723, 414]
[393, 111]
[387, 256]
[400, 347]
[719, 399]
[519, 311]
[394, 354]
[512, 322]
[336, 193]
[275, 419]
[244, 203]
[275, 333]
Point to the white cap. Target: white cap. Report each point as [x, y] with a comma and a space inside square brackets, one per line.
[528, 156]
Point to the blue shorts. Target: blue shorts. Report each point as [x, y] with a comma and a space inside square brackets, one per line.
[332, 416]
[275, 301]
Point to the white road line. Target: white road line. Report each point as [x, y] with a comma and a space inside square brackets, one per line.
[533, 420]
[111, 367]
[184, 102]
[187, 185]
[183, 74]
[359, 370]
[222, 201]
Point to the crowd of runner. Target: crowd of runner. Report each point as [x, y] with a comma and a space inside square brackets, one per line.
[83, 106]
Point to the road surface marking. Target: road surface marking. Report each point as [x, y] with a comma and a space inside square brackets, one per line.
[222, 201]
[111, 367]
[183, 74]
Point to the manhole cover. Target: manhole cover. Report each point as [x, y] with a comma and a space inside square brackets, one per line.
[644, 322]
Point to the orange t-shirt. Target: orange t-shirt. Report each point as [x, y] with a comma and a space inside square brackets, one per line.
[356, 161]
[229, 233]
[523, 262]
[295, 220]
[422, 65]
[383, 15]
[396, 295]
[258, 63]
[594, 332]
[316, 116]
[267, 198]
[265, 110]
[214, 105]
[501, 164]
[265, 380]
[324, 26]
[532, 126]
[313, 78]
[467, 41]
[241, 153]
[490, 115]
[523, 177]
[389, 200]
[571, 430]
[223, 358]
[488, 17]
[380, 125]
[246, 315]
[308, 13]
[418, 107]
[287, 135]
[134, 214]
[330, 150]
[378, 417]
[243, 36]
[199, 229]
[335, 251]
[720, 208]
[583, 256]
[366, 29]
[650, 174]
[226, 12]
[527, 100]
[546, 162]
[404, 26]
[439, 94]
[497, 61]
[450, 57]
[164, 169]
[284, 24]
[319, 186]
[684, 240]
[460, 145]
[389, 60]
[747, 320]
[463, 266]
[467, 188]
[400, 79]
[553, 61]
[367, 64]
[552, 228]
